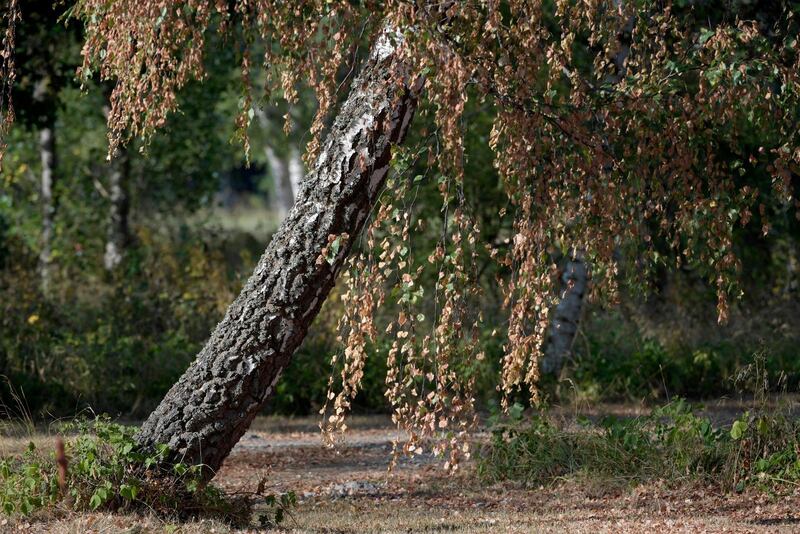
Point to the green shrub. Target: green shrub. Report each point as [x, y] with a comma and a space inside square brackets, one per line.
[671, 444]
[614, 361]
[114, 342]
[107, 471]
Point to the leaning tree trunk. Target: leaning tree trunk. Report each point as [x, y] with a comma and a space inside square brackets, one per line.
[213, 403]
[47, 152]
[118, 232]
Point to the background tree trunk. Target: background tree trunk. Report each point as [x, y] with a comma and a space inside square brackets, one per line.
[568, 312]
[47, 152]
[285, 170]
[295, 167]
[213, 403]
[567, 315]
[279, 170]
[119, 236]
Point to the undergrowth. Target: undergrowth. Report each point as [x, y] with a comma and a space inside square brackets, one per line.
[101, 468]
[673, 444]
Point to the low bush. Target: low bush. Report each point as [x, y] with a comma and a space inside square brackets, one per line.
[115, 342]
[101, 468]
[614, 360]
[672, 444]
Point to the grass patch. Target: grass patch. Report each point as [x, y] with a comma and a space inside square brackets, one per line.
[672, 444]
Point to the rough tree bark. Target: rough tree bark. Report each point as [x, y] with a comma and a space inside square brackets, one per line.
[47, 152]
[213, 403]
[118, 232]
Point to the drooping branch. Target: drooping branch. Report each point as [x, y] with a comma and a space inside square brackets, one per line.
[10, 18]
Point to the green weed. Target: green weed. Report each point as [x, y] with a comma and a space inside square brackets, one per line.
[104, 469]
[672, 444]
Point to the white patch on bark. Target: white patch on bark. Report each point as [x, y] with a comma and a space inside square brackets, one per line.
[312, 217]
[112, 256]
[387, 42]
[48, 159]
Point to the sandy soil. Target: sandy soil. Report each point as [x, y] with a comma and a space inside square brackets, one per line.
[349, 490]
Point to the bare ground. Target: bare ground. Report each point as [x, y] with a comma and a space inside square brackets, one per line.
[349, 490]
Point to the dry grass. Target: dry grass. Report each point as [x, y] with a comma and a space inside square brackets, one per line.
[101, 523]
[419, 497]
[562, 509]
[17, 434]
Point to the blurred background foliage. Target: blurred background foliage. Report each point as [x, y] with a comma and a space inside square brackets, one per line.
[200, 216]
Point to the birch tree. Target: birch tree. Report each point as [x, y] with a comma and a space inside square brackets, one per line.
[645, 158]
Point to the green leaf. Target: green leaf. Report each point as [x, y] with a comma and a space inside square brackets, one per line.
[705, 35]
[96, 501]
[515, 411]
[128, 491]
[333, 251]
[762, 426]
[738, 429]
